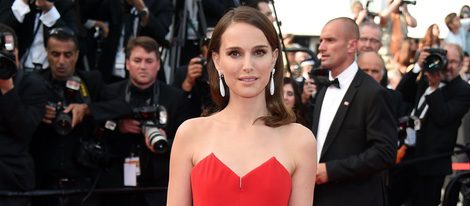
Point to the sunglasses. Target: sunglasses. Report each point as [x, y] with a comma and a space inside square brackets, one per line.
[62, 31]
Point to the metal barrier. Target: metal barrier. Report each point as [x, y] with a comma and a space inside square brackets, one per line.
[36, 193]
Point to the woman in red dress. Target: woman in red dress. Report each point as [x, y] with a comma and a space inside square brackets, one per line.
[250, 152]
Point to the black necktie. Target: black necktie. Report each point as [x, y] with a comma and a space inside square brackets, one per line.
[335, 83]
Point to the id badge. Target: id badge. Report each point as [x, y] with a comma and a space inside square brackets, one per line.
[417, 123]
[131, 171]
[410, 137]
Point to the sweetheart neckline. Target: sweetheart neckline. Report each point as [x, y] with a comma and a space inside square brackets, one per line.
[273, 158]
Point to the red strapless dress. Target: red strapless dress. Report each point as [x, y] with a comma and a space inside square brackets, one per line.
[215, 184]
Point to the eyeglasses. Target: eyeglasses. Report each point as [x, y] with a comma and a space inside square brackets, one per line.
[62, 31]
[371, 40]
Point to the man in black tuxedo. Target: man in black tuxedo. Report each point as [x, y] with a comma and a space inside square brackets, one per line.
[128, 142]
[22, 100]
[22, 15]
[355, 129]
[440, 99]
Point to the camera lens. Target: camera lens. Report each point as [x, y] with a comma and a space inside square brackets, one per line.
[7, 66]
[63, 123]
[436, 61]
[156, 139]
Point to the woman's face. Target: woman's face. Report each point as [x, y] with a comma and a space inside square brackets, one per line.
[246, 60]
[289, 96]
[435, 31]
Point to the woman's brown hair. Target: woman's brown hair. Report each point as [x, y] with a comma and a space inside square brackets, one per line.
[429, 38]
[278, 113]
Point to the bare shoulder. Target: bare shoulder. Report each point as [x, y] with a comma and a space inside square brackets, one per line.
[298, 133]
[300, 139]
[191, 128]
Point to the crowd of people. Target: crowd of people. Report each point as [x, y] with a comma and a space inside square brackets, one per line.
[85, 104]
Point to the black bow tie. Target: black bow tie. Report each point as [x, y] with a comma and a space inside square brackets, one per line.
[335, 83]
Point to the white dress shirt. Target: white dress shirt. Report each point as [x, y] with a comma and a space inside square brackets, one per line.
[333, 98]
[37, 52]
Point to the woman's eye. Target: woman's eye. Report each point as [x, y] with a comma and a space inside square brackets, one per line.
[234, 53]
[260, 52]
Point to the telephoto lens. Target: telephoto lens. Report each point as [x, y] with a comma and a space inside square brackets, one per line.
[7, 66]
[63, 123]
[155, 138]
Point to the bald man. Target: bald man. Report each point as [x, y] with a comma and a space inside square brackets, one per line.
[371, 63]
[353, 124]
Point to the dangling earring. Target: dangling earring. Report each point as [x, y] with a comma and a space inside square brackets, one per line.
[271, 85]
[221, 85]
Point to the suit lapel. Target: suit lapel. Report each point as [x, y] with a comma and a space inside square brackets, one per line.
[317, 109]
[342, 111]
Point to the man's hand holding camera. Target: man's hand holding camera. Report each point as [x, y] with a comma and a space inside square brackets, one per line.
[132, 126]
[129, 126]
[422, 56]
[6, 85]
[195, 68]
[79, 111]
[431, 67]
[49, 114]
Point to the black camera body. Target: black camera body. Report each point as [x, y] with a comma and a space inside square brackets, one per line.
[63, 121]
[153, 118]
[205, 76]
[7, 58]
[436, 61]
[92, 154]
[412, 2]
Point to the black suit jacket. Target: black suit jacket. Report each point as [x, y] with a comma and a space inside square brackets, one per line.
[48, 144]
[440, 124]
[360, 145]
[24, 31]
[21, 111]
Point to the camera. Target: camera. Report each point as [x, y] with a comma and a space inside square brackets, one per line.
[63, 121]
[153, 118]
[412, 2]
[7, 58]
[205, 76]
[436, 61]
[92, 153]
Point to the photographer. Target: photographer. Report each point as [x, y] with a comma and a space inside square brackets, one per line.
[32, 19]
[193, 79]
[439, 98]
[65, 128]
[142, 110]
[22, 100]
[127, 19]
[395, 20]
